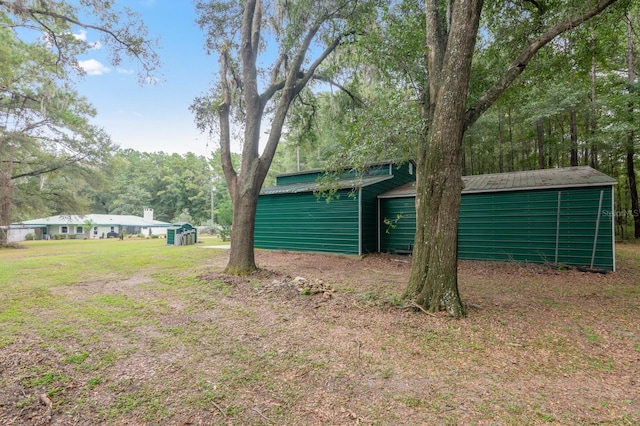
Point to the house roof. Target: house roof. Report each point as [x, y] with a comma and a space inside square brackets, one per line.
[568, 177]
[98, 219]
[294, 188]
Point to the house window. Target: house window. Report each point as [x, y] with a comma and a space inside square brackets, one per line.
[410, 168]
[79, 230]
[95, 230]
[113, 229]
[64, 230]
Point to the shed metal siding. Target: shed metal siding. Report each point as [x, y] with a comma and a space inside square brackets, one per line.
[524, 226]
[401, 233]
[304, 222]
[297, 178]
[578, 223]
[521, 226]
[508, 226]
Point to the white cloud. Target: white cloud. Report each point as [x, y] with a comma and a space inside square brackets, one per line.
[124, 71]
[152, 80]
[96, 45]
[82, 35]
[93, 67]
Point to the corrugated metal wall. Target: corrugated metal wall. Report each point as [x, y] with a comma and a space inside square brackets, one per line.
[521, 226]
[528, 226]
[302, 222]
[400, 233]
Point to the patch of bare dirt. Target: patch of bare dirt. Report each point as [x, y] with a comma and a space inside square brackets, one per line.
[83, 291]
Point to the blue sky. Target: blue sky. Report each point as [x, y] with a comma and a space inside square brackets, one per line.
[154, 118]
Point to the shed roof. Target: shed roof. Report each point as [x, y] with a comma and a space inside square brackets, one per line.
[568, 177]
[98, 219]
[295, 188]
[321, 170]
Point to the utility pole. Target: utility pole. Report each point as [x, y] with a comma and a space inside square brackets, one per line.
[213, 190]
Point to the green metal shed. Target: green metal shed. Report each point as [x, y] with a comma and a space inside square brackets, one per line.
[182, 234]
[561, 216]
[292, 216]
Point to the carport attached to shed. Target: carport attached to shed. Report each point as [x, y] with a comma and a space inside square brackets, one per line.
[542, 216]
[290, 216]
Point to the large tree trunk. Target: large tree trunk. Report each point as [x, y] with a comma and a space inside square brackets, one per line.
[540, 143]
[593, 122]
[573, 130]
[512, 156]
[471, 164]
[631, 173]
[434, 283]
[500, 144]
[6, 191]
[434, 279]
[633, 191]
[241, 254]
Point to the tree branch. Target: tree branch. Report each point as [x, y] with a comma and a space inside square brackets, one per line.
[225, 127]
[19, 9]
[255, 28]
[280, 62]
[66, 162]
[53, 36]
[537, 5]
[519, 64]
[295, 82]
[320, 77]
[435, 47]
[250, 47]
[312, 68]
[302, 78]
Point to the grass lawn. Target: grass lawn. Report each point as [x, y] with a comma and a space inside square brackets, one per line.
[137, 332]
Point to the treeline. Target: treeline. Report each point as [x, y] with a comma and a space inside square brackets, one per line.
[177, 187]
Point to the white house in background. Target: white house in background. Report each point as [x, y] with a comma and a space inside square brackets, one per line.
[103, 226]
